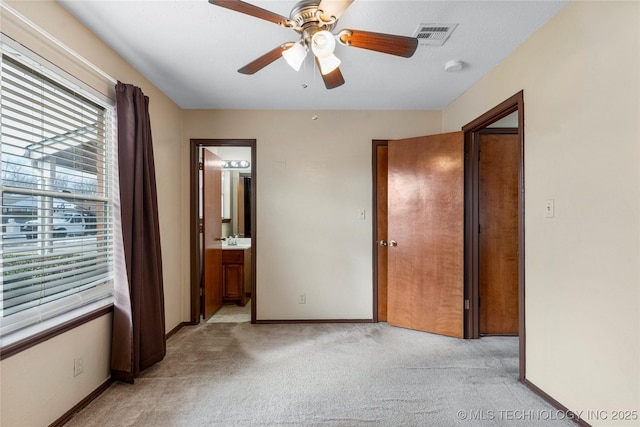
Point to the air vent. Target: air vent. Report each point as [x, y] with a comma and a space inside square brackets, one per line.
[434, 34]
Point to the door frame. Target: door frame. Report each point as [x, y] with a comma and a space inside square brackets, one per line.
[194, 220]
[374, 219]
[472, 132]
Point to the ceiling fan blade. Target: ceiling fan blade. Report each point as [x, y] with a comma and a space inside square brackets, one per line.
[385, 43]
[249, 9]
[266, 59]
[333, 79]
[333, 8]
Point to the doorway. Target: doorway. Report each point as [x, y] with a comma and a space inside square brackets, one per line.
[237, 213]
[498, 169]
[514, 108]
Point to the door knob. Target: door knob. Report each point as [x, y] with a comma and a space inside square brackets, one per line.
[383, 243]
[393, 243]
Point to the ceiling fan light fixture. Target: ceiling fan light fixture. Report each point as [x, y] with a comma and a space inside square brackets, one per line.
[295, 55]
[323, 43]
[328, 63]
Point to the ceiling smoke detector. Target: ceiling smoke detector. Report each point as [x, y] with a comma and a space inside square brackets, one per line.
[433, 34]
[453, 66]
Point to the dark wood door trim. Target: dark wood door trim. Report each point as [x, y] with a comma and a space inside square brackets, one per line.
[472, 132]
[194, 225]
[374, 168]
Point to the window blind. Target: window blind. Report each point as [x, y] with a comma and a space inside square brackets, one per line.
[57, 209]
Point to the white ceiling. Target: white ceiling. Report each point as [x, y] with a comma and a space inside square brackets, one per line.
[192, 50]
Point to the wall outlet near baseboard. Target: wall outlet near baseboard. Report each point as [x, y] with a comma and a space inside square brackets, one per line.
[302, 298]
[78, 366]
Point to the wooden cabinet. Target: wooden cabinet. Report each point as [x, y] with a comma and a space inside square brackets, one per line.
[236, 275]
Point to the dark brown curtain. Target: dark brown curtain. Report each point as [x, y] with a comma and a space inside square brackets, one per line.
[138, 339]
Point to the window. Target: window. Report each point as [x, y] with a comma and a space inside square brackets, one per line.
[57, 207]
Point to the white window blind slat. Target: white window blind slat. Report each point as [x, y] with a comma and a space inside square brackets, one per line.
[54, 117]
[57, 201]
[46, 277]
[98, 251]
[33, 294]
[37, 312]
[31, 86]
[15, 129]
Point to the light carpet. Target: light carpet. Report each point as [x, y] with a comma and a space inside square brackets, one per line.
[238, 374]
[232, 313]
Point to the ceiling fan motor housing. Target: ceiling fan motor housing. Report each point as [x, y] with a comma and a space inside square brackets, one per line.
[308, 21]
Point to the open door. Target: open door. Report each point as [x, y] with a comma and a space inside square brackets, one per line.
[212, 233]
[426, 234]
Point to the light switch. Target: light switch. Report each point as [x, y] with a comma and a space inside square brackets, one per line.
[361, 213]
[549, 208]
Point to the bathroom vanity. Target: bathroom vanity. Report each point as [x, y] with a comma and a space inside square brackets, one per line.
[236, 273]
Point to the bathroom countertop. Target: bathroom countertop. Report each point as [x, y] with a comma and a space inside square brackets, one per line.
[239, 246]
[243, 243]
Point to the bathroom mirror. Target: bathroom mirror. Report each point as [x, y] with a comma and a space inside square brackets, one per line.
[236, 190]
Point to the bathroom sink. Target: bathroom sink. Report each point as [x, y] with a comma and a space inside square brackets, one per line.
[238, 246]
[243, 243]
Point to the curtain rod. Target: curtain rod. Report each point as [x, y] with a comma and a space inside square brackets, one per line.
[57, 42]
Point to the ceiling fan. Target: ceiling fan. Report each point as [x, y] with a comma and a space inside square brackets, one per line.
[314, 20]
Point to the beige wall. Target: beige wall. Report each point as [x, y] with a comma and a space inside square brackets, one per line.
[312, 177]
[38, 385]
[46, 369]
[582, 144]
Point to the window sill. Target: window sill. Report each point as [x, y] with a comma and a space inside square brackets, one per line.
[18, 341]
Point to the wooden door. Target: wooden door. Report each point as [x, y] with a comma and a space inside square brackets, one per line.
[426, 220]
[498, 238]
[381, 229]
[212, 220]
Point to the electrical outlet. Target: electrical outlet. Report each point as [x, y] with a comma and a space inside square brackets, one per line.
[302, 298]
[78, 366]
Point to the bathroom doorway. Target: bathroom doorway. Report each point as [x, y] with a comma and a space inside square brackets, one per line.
[236, 202]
